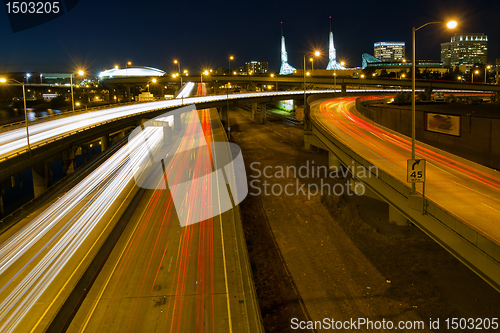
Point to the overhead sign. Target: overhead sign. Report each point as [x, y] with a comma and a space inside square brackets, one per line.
[415, 171]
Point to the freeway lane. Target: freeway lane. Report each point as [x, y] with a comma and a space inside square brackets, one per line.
[41, 262]
[466, 190]
[162, 277]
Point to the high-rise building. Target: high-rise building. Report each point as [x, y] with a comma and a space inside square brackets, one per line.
[256, 67]
[389, 51]
[446, 54]
[468, 49]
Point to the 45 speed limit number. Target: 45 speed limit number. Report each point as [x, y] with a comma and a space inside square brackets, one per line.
[415, 171]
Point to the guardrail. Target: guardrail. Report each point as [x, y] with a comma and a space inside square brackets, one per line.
[37, 120]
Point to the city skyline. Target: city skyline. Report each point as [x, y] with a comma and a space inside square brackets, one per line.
[97, 36]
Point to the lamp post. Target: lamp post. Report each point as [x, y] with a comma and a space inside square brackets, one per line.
[272, 75]
[305, 100]
[227, 91]
[316, 54]
[152, 81]
[227, 85]
[179, 66]
[2, 80]
[201, 75]
[450, 25]
[230, 58]
[486, 73]
[474, 72]
[129, 63]
[71, 84]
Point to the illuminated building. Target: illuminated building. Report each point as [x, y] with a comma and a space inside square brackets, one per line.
[468, 49]
[285, 66]
[135, 71]
[389, 51]
[446, 54]
[332, 55]
[256, 67]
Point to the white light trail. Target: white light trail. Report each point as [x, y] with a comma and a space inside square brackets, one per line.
[32, 259]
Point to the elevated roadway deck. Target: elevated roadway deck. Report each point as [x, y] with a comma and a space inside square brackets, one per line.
[462, 198]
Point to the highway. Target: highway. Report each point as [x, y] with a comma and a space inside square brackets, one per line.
[162, 277]
[467, 191]
[13, 139]
[201, 267]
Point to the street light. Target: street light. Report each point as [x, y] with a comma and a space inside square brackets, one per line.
[450, 25]
[152, 81]
[475, 72]
[272, 75]
[486, 72]
[129, 63]
[180, 73]
[201, 75]
[316, 54]
[230, 58]
[3, 80]
[80, 72]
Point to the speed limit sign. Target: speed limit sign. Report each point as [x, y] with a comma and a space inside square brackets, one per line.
[415, 171]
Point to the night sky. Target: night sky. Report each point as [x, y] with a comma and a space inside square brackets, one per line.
[97, 34]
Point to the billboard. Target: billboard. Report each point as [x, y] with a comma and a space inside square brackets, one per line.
[442, 123]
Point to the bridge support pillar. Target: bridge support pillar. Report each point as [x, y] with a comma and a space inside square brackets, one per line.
[85, 151]
[68, 160]
[263, 112]
[428, 91]
[104, 142]
[167, 135]
[223, 116]
[2, 211]
[343, 86]
[127, 92]
[177, 122]
[41, 178]
[396, 217]
[333, 162]
[112, 94]
[254, 110]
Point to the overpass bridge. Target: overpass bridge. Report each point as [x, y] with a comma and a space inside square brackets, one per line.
[298, 81]
[291, 82]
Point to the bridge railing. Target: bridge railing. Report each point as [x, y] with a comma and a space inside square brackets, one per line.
[40, 119]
